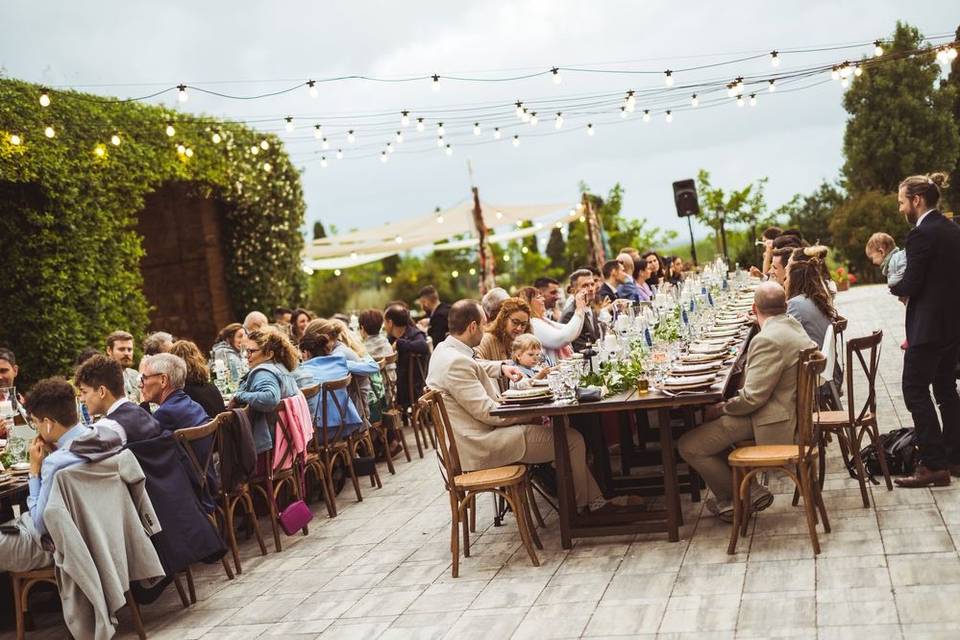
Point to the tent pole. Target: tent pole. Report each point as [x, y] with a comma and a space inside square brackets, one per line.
[484, 252]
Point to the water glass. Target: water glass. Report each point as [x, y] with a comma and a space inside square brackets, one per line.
[8, 402]
[555, 382]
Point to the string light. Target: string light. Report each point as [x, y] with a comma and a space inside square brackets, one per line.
[339, 154]
[404, 118]
[844, 83]
[473, 271]
[440, 129]
[115, 140]
[419, 124]
[646, 115]
[312, 88]
[264, 145]
[351, 137]
[439, 218]
[15, 140]
[877, 49]
[337, 272]
[668, 117]
[774, 58]
[516, 141]
[476, 129]
[449, 150]
[740, 101]
[388, 280]
[398, 239]
[399, 137]
[254, 150]
[182, 95]
[845, 70]
[181, 149]
[99, 151]
[858, 71]
[318, 131]
[952, 53]
[170, 130]
[557, 78]
[631, 101]
[455, 273]
[753, 99]
[216, 138]
[323, 162]
[496, 133]
[289, 126]
[440, 142]
[623, 112]
[526, 115]
[49, 132]
[519, 109]
[499, 215]
[44, 99]
[558, 122]
[590, 129]
[383, 158]
[436, 82]
[534, 119]
[694, 100]
[668, 78]
[389, 148]
[524, 250]
[772, 86]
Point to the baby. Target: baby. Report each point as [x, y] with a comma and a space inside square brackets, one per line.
[526, 355]
[883, 252]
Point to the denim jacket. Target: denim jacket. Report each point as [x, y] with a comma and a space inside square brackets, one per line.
[261, 390]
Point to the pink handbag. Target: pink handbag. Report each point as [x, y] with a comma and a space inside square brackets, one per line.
[295, 517]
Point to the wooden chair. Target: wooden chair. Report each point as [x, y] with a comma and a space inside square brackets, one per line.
[798, 461]
[333, 443]
[201, 468]
[24, 581]
[392, 417]
[510, 482]
[313, 463]
[850, 427]
[421, 432]
[361, 439]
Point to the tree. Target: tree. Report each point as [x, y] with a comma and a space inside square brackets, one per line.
[953, 193]
[318, 230]
[811, 214]
[556, 248]
[719, 208]
[900, 123]
[856, 220]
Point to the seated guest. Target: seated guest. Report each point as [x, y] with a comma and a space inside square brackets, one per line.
[52, 407]
[628, 288]
[655, 268]
[254, 320]
[8, 378]
[157, 342]
[614, 277]
[282, 315]
[492, 300]
[763, 410]
[364, 368]
[321, 365]
[100, 383]
[555, 338]
[272, 359]
[371, 322]
[581, 282]
[526, 354]
[807, 299]
[435, 322]
[162, 381]
[299, 321]
[498, 337]
[198, 386]
[550, 290]
[675, 272]
[644, 272]
[228, 346]
[120, 348]
[470, 394]
[778, 265]
[408, 341]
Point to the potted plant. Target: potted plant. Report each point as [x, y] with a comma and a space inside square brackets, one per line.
[843, 278]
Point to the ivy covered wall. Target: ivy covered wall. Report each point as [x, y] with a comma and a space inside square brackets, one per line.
[69, 250]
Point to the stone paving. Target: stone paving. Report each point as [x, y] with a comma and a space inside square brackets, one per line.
[381, 569]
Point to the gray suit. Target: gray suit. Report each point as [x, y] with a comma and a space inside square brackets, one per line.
[764, 409]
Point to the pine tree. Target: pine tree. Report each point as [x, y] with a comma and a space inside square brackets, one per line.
[953, 193]
[318, 230]
[557, 249]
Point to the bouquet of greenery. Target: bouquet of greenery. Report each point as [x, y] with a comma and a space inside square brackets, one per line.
[670, 326]
[619, 374]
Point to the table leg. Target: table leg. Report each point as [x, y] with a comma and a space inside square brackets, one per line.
[565, 498]
[671, 484]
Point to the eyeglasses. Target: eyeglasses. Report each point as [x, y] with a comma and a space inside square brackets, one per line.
[144, 377]
[519, 323]
[252, 351]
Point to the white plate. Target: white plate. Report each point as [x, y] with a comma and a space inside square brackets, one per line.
[523, 394]
[680, 381]
[20, 466]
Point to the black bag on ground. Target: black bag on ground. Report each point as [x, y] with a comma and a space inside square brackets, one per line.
[900, 447]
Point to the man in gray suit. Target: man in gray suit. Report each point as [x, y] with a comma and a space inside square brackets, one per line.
[763, 410]
[470, 393]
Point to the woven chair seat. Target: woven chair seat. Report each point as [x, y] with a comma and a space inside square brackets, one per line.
[836, 418]
[767, 455]
[496, 477]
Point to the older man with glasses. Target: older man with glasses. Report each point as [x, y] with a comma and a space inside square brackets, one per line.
[162, 378]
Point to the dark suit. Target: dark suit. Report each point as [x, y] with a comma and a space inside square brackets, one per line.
[438, 323]
[606, 293]
[590, 331]
[932, 284]
[136, 422]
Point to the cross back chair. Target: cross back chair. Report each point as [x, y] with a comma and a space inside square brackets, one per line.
[361, 438]
[313, 464]
[798, 461]
[392, 417]
[423, 435]
[852, 425]
[510, 482]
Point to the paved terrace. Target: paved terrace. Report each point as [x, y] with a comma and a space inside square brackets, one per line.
[381, 569]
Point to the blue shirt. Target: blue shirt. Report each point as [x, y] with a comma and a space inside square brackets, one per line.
[179, 411]
[40, 487]
[327, 369]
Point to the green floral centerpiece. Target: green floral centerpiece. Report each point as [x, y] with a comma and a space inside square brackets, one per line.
[619, 374]
[669, 328]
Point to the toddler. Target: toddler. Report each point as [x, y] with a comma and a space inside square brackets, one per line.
[883, 252]
[526, 354]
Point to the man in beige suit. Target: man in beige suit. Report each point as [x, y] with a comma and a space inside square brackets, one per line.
[763, 410]
[470, 393]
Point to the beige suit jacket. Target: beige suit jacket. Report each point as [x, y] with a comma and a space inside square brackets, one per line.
[470, 393]
[768, 397]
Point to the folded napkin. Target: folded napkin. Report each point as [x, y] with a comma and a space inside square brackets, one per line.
[674, 381]
[685, 369]
[703, 357]
[697, 347]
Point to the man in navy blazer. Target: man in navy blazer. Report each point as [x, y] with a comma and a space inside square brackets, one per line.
[100, 382]
[932, 284]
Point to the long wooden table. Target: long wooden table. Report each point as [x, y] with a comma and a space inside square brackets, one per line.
[629, 521]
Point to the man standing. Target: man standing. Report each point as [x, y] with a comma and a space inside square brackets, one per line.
[764, 409]
[435, 324]
[120, 349]
[582, 280]
[933, 329]
[100, 382]
[613, 278]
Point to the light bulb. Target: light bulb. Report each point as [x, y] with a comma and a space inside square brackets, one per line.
[731, 89]
[115, 140]
[772, 86]
[835, 73]
[844, 83]
[324, 144]
[440, 129]
[845, 70]
[339, 154]
[351, 138]
[526, 115]
[877, 49]
[99, 151]
[312, 88]
[524, 250]
[557, 78]
[289, 126]
[774, 58]
[668, 78]
[49, 132]
[337, 272]
[623, 112]
[496, 133]
[318, 132]
[694, 100]
[15, 140]
[583, 218]
[436, 82]
[590, 129]
[440, 142]
[646, 115]
[631, 101]
[753, 99]
[419, 124]
[388, 279]
[952, 53]
[389, 148]
[476, 129]
[558, 122]
[398, 239]
[516, 141]
[404, 118]
[740, 102]
[942, 56]
[858, 71]
[181, 149]
[323, 162]
[668, 117]
[170, 130]
[439, 219]
[499, 215]
[449, 150]
[399, 137]
[534, 119]
[383, 158]
[44, 99]
[264, 145]
[519, 109]
[473, 271]
[254, 150]
[455, 273]
[182, 95]
[267, 167]
[216, 138]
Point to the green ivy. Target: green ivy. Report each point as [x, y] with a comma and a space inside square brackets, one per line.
[70, 271]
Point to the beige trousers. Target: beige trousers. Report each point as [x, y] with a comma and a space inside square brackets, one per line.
[539, 448]
[706, 447]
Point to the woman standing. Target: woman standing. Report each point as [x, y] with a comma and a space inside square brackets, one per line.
[555, 337]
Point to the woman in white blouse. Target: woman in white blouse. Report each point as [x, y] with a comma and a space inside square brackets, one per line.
[554, 336]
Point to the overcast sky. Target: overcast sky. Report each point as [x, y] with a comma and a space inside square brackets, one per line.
[793, 138]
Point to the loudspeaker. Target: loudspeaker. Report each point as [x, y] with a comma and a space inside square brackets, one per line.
[685, 197]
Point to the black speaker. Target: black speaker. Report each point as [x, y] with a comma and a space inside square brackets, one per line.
[685, 197]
